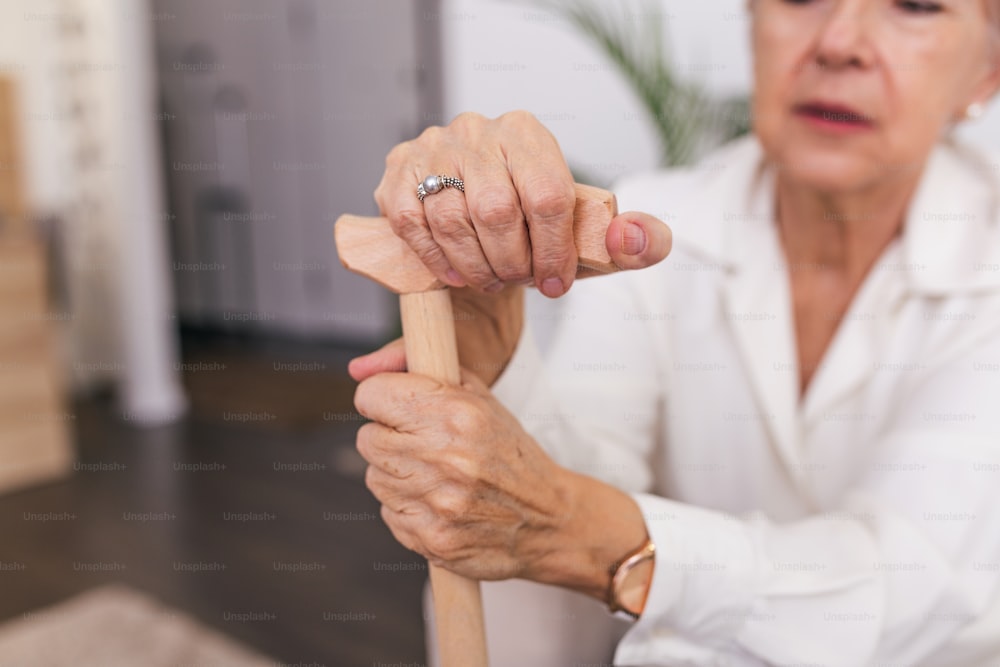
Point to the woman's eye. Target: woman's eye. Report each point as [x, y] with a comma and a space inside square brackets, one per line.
[918, 7]
[910, 6]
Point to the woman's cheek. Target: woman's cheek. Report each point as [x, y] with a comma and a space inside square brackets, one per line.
[767, 111]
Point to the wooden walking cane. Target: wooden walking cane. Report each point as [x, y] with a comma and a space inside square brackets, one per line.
[368, 246]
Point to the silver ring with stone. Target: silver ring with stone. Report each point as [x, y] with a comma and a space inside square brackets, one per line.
[434, 184]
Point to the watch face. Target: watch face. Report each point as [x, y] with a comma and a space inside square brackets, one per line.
[635, 587]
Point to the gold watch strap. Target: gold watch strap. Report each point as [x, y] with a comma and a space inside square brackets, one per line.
[646, 552]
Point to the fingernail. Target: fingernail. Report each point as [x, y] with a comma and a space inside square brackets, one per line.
[454, 279]
[633, 239]
[552, 287]
[494, 288]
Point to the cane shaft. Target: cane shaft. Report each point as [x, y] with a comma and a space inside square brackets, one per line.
[431, 349]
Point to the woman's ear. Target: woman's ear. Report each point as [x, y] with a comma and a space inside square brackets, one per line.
[989, 85]
[996, 67]
[994, 76]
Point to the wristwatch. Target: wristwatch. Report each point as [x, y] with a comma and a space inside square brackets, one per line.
[630, 580]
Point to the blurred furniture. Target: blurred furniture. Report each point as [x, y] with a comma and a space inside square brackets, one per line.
[12, 207]
[34, 444]
[277, 118]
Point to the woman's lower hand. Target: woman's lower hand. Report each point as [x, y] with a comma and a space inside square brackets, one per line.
[464, 485]
[459, 480]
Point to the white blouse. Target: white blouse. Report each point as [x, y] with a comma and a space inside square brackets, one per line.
[859, 525]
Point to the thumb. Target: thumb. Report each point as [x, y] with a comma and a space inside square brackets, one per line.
[637, 240]
[389, 359]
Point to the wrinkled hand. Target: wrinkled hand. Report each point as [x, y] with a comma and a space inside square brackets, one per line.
[459, 480]
[514, 223]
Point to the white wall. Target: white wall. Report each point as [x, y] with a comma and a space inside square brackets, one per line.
[29, 31]
[502, 55]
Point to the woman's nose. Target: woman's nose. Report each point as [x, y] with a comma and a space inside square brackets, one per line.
[845, 37]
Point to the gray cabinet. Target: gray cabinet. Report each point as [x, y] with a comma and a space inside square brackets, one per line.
[277, 116]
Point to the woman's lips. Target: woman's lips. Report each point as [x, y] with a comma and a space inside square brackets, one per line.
[835, 118]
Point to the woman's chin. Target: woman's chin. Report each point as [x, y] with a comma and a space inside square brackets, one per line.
[831, 172]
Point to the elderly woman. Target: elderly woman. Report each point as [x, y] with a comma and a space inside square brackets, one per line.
[781, 445]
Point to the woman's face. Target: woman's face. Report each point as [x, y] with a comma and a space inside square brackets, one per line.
[850, 93]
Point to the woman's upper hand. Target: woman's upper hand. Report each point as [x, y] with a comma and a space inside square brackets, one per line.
[514, 223]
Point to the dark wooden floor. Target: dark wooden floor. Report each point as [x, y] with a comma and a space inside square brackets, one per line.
[218, 516]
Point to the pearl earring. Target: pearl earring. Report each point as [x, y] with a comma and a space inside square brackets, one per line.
[975, 110]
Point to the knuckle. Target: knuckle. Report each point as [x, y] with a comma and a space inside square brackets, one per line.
[502, 219]
[387, 515]
[409, 226]
[458, 242]
[479, 276]
[499, 212]
[515, 270]
[397, 527]
[513, 273]
[465, 420]
[467, 130]
[361, 398]
[390, 518]
[363, 443]
[519, 117]
[550, 201]
[399, 154]
[430, 253]
[441, 541]
[406, 220]
[371, 479]
[468, 470]
[431, 136]
[552, 257]
[468, 418]
[468, 119]
[450, 225]
[450, 503]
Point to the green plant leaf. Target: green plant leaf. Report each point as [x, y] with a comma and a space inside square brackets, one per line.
[685, 117]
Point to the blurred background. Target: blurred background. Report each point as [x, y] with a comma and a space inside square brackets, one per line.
[176, 426]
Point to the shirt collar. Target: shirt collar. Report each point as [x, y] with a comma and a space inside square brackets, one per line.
[950, 240]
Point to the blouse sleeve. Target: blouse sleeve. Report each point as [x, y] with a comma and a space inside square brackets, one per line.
[590, 394]
[910, 560]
